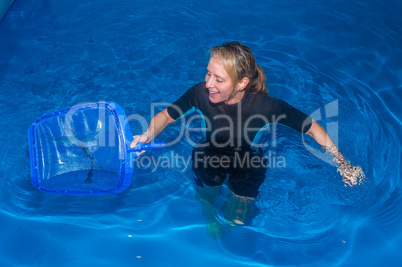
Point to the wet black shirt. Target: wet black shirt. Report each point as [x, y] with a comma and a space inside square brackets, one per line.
[236, 125]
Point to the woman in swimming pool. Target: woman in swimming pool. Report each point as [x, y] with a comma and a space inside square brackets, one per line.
[235, 105]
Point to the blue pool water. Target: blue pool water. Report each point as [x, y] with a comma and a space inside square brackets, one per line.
[56, 54]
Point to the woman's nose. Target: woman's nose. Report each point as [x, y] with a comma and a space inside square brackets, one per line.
[209, 82]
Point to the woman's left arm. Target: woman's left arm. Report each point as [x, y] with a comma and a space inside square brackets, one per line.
[320, 136]
[350, 174]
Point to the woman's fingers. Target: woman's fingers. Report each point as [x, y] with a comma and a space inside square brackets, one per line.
[142, 138]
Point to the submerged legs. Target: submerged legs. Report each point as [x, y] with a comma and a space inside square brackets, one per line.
[206, 196]
[237, 209]
[244, 180]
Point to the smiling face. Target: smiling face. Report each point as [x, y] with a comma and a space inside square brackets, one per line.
[220, 85]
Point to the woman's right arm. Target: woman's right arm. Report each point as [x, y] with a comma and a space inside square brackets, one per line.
[163, 119]
[156, 126]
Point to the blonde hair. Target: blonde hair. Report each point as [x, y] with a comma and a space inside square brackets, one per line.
[239, 62]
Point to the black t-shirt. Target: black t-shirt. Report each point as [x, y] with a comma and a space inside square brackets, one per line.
[236, 125]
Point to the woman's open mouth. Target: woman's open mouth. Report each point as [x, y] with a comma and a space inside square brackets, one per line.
[213, 93]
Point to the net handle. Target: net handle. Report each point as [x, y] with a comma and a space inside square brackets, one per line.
[147, 146]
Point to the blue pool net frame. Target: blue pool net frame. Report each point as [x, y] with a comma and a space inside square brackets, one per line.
[50, 145]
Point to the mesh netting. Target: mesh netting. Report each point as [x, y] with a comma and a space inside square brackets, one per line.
[80, 150]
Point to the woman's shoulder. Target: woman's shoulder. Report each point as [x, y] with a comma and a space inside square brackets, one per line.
[266, 102]
[273, 100]
[263, 98]
[197, 89]
[200, 87]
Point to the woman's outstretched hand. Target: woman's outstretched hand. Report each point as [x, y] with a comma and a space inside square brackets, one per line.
[141, 138]
[350, 175]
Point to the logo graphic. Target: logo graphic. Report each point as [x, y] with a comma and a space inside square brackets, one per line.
[332, 128]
